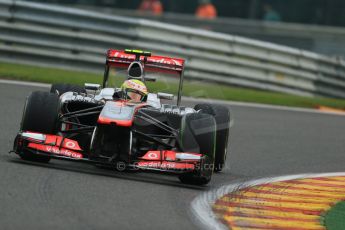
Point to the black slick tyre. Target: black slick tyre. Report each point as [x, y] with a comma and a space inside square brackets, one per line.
[222, 116]
[40, 115]
[198, 134]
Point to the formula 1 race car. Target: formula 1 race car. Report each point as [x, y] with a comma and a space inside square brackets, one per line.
[100, 125]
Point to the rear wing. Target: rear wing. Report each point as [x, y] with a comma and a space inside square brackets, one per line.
[123, 59]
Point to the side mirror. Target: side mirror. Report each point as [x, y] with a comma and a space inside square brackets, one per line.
[165, 96]
[94, 87]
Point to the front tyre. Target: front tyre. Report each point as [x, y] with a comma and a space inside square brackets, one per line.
[198, 134]
[40, 115]
[222, 116]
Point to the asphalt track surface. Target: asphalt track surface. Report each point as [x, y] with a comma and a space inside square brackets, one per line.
[65, 195]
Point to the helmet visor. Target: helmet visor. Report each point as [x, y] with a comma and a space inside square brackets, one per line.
[134, 96]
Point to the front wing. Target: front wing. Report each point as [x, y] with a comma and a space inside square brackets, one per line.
[59, 147]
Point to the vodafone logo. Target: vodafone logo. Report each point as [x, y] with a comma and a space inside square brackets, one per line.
[56, 150]
[152, 155]
[176, 62]
[152, 59]
[122, 55]
[165, 61]
[70, 144]
[63, 152]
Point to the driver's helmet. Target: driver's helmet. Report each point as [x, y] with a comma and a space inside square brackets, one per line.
[134, 90]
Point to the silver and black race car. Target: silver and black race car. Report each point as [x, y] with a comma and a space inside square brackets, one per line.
[96, 124]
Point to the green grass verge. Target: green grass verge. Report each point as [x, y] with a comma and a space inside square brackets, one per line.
[191, 88]
[335, 218]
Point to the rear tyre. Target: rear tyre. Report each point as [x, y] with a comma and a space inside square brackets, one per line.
[198, 134]
[40, 115]
[64, 88]
[222, 116]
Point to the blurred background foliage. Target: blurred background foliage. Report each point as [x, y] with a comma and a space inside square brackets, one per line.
[320, 12]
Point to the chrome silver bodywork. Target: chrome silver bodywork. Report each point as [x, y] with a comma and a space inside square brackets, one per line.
[106, 94]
